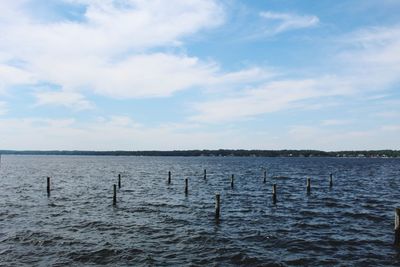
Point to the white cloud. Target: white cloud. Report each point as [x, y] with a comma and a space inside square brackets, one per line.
[67, 99]
[121, 132]
[370, 63]
[372, 55]
[108, 51]
[114, 51]
[271, 97]
[150, 75]
[287, 21]
[10, 75]
[242, 77]
[109, 29]
[122, 121]
[112, 133]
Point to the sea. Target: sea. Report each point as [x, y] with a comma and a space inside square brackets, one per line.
[153, 223]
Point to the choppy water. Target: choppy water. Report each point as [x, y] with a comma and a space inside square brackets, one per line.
[155, 224]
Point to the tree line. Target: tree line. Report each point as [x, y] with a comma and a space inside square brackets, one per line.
[215, 153]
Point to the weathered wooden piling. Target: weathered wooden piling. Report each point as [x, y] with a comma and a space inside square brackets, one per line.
[265, 176]
[217, 205]
[169, 177]
[397, 227]
[330, 180]
[119, 180]
[308, 185]
[115, 195]
[186, 186]
[48, 186]
[274, 193]
[205, 174]
[232, 180]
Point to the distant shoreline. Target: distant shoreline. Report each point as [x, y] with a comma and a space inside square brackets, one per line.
[216, 153]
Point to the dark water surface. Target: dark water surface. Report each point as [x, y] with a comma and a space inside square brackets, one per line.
[155, 224]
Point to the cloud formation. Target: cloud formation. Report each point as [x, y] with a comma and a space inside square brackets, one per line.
[108, 50]
[368, 61]
[281, 22]
[67, 99]
[167, 59]
[271, 97]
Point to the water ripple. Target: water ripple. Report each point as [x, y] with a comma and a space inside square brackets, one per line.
[156, 224]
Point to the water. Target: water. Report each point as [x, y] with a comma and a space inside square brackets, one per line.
[155, 224]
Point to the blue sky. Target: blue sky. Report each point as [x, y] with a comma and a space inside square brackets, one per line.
[199, 74]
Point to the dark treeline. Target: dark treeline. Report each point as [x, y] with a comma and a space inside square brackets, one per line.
[216, 153]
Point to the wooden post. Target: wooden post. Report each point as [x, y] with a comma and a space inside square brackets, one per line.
[115, 195]
[205, 174]
[330, 180]
[265, 176]
[119, 180]
[48, 186]
[186, 186]
[397, 228]
[169, 177]
[274, 193]
[308, 185]
[232, 180]
[217, 205]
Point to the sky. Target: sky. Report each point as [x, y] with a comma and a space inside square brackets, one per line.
[199, 74]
